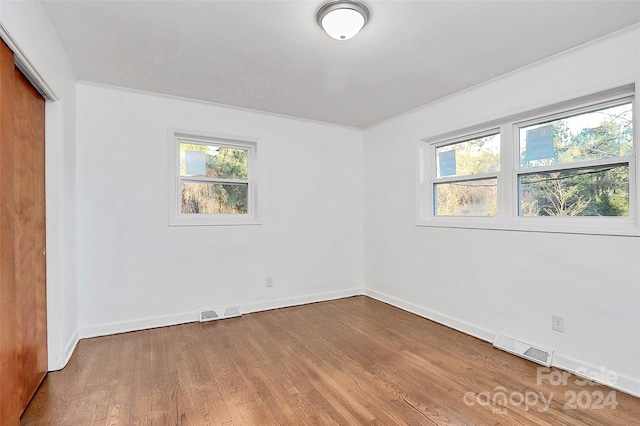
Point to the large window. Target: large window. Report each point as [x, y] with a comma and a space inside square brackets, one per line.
[570, 168]
[212, 181]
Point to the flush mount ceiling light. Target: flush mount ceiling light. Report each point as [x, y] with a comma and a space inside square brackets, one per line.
[343, 19]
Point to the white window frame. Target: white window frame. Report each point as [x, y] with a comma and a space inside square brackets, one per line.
[459, 178]
[176, 217]
[508, 217]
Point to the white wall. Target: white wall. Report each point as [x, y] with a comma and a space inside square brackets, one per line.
[482, 281]
[135, 271]
[29, 33]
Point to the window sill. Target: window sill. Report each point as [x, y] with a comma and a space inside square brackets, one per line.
[623, 227]
[213, 220]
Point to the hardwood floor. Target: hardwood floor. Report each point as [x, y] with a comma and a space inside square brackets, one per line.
[346, 362]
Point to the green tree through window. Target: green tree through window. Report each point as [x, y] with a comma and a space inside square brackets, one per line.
[219, 184]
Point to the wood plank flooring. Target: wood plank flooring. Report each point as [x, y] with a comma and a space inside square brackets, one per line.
[352, 361]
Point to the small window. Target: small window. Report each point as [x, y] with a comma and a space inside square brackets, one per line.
[213, 181]
[466, 181]
[577, 164]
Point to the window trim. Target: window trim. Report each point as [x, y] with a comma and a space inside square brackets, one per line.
[176, 217]
[508, 217]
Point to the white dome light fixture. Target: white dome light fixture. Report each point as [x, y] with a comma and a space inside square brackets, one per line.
[343, 19]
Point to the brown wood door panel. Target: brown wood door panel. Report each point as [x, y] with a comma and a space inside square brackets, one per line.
[29, 235]
[9, 410]
[23, 333]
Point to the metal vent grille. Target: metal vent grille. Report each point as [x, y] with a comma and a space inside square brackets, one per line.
[523, 350]
[219, 313]
[538, 354]
[208, 315]
[232, 311]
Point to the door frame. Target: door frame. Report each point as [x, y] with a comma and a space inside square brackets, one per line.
[59, 350]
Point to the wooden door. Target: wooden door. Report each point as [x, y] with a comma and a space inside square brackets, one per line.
[23, 333]
[8, 321]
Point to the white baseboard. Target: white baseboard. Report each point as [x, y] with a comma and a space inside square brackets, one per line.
[57, 361]
[70, 347]
[626, 384]
[137, 324]
[599, 374]
[163, 321]
[303, 300]
[440, 318]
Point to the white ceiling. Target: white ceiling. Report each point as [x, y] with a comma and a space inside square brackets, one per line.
[272, 55]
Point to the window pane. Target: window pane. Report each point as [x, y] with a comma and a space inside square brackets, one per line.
[467, 198]
[601, 134]
[213, 161]
[481, 155]
[601, 191]
[222, 198]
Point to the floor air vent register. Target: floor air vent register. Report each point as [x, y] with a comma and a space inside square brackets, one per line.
[219, 313]
[523, 350]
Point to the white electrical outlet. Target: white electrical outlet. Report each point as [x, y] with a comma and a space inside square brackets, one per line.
[557, 323]
[269, 281]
